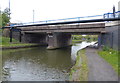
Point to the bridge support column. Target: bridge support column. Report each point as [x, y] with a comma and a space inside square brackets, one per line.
[101, 40]
[58, 40]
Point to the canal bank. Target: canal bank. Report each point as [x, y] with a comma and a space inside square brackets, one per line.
[20, 46]
[6, 44]
[90, 66]
[79, 72]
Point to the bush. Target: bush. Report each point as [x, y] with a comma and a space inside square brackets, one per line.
[105, 48]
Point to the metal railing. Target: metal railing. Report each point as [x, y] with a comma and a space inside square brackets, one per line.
[112, 15]
[66, 19]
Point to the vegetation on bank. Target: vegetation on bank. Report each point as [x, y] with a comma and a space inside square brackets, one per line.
[80, 38]
[111, 56]
[79, 72]
[4, 42]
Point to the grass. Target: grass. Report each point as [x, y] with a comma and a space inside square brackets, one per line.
[111, 56]
[4, 42]
[74, 41]
[79, 72]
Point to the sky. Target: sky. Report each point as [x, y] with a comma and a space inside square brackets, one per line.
[22, 10]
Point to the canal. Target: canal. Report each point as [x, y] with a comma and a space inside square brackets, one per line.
[39, 64]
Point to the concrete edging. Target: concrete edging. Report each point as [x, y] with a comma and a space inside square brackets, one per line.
[17, 47]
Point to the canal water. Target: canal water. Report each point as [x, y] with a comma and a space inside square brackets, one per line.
[39, 64]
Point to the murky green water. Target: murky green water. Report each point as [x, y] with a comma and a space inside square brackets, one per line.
[36, 64]
[0, 65]
[39, 64]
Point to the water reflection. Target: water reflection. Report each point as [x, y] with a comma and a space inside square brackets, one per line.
[0, 65]
[77, 46]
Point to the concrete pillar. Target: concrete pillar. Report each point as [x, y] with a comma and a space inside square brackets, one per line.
[51, 40]
[99, 40]
[58, 40]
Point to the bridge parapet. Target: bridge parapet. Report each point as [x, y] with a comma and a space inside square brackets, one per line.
[85, 25]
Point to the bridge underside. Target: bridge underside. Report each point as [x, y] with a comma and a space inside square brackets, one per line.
[72, 33]
[53, 40]
[58, 36]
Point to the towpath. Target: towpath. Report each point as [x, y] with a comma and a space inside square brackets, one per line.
[99, 69]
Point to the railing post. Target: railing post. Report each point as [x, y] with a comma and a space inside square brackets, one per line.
[114, 11]
[19, 35]
[11, 34]
[78, 19]
[107, 15]
[104, 16]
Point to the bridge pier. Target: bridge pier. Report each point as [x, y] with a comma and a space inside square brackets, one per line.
[58, 40]
[101, 39]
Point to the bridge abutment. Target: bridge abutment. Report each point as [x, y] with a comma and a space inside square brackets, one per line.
[58, 40]
[111, 38]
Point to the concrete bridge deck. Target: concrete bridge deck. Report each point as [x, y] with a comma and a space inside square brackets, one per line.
[80, 28]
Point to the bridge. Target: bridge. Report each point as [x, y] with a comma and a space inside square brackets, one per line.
[58, 34]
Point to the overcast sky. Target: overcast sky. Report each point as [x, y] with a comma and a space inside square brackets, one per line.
[22, 10]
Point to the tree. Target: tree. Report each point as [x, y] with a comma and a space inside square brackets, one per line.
[4, 20]
[5, 17]
[0, 19]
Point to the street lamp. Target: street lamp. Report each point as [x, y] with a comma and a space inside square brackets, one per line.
[33, 15]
